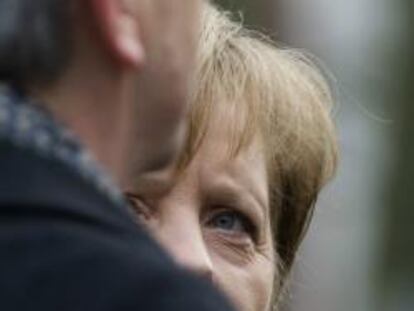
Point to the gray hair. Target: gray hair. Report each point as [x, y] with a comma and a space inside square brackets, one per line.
[34, 40]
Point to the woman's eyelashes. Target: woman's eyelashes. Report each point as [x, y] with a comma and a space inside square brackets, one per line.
[232, 222]
[140, 207]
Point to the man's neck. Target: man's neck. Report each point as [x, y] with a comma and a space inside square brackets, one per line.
[92, 108]
[25, 126]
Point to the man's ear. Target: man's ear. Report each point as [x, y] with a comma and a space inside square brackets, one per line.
[119, 26]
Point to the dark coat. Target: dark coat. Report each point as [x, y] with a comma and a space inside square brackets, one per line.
[64, 246]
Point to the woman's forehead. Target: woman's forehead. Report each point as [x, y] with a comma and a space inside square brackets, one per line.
[213, 166]
[227, 118]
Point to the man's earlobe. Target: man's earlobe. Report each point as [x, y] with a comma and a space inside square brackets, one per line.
[119, 25]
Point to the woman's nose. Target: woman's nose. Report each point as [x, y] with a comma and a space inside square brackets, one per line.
[185, 243]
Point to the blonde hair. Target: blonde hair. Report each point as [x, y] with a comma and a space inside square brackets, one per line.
[275, 93]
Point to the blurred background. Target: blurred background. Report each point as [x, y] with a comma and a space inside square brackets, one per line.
[359, 252]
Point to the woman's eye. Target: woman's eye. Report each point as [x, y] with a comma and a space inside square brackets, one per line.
[231, 221]
[139, 206]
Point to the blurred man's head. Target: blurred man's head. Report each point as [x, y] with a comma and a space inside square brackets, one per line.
[162, 85]
[116, 71]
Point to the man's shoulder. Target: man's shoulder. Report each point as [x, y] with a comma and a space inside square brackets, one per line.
[78, 267]
[33, 184]
[64, 246]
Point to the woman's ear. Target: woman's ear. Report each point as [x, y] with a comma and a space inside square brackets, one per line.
[118, 22]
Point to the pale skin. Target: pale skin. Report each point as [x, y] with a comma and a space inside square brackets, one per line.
[124, 90]
[215, 220]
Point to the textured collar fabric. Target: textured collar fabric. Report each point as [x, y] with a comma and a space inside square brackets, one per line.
[27, 125]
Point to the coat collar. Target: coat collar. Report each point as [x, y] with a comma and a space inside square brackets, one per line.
[27, 125]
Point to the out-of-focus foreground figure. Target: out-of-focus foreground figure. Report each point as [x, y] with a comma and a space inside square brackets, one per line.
[69, 72]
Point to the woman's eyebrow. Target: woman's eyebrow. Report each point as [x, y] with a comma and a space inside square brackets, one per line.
[229, 190]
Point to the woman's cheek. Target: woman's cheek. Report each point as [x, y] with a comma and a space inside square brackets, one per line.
[242, 273]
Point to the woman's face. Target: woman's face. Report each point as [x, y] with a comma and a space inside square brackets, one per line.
[215, 220]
